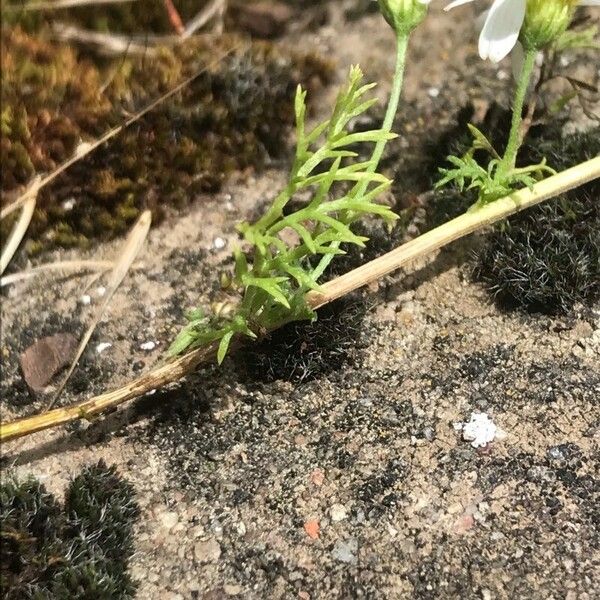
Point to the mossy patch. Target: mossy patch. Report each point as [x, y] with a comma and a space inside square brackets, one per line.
[303, 351]
[78, 550]
[548, 258]
[236, 115]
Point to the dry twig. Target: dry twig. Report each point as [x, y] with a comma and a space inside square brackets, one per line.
[128, 253]
[65, 265]
[18, 232]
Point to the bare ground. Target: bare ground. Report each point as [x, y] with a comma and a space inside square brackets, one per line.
[233, 473]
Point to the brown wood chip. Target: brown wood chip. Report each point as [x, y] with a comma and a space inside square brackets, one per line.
[44, 359]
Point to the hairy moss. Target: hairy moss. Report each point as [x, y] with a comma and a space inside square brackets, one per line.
[236, 115]
[548, 258]
[79, 550]
[304, 350]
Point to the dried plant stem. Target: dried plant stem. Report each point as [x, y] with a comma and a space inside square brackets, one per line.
[78, 266]
[453, 230]
[58, 4]
[419, 247]
[18, 233]
[127, 254]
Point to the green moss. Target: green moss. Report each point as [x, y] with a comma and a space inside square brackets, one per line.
[234, 116]
[80, 550]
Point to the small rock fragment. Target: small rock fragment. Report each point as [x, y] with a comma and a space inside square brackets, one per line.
[345, 551]
[169, 519]
[148, 346]
[102, 346]
[480, 430]
[317, 477]
[232, 590]
[263, 19]
[207, 551]
[338, 512]
[219, 243]
[312, 529]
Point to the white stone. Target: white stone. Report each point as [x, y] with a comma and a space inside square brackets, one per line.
[480, 430]
[338, 512]
[219, 243]
[102, 346]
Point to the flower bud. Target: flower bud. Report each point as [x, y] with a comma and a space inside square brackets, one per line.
[545, 21]
[403, 15]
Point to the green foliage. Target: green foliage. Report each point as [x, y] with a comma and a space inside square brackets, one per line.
[276, 277]
[576, 39]
[80, 550]
[493, 182]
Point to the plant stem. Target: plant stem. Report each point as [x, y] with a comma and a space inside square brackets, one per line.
[515, 138]
[388, 121]
[419, 247]
[392, 107]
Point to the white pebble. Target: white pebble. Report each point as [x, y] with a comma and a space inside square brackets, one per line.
[338, 512]
[433, 92]
[102, 347]
[219, 243]
[86, 299]
[101, 291]
[480, 430]
[148, 346]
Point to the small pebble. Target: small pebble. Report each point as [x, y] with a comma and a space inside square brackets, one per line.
[169, 519]
[148, 346]
[102, 347]
[480, 430]
[232, 590]
[345, 551]
[207, 551]
[338, 512]
[219, 243]
[86, 299]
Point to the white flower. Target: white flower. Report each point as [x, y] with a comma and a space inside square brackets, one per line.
[503, 25]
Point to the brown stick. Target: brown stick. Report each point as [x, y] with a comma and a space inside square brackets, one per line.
[419, 247]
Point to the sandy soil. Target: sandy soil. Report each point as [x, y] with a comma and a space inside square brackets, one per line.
[357, 484]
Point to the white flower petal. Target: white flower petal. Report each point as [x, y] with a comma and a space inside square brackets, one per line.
[501, 30]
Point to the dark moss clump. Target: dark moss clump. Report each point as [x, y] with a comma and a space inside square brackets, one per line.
[235, 115]
[303, 351]
[80, 550]
[548, 258]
